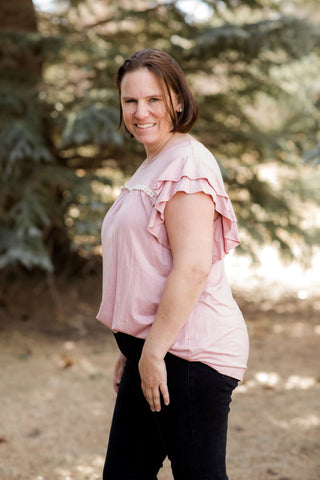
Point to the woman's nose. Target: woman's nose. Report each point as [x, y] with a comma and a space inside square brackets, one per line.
[141, 110]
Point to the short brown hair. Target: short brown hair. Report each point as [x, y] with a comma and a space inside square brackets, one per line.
[171, 77]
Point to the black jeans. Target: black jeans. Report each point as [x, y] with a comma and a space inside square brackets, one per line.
[191, 430]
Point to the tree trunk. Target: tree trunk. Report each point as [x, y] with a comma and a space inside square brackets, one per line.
[17, 16]
[20, 62]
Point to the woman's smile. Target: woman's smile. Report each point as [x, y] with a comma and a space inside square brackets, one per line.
[146, 125]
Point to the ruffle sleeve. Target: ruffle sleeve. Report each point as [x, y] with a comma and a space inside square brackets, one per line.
[191, 179]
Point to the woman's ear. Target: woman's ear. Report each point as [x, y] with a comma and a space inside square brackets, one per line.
[179, 108]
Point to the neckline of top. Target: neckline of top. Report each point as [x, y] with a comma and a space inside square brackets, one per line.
[146, 164]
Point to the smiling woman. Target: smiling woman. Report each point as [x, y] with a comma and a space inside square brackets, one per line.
[182, 337]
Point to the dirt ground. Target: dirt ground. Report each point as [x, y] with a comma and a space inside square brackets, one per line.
[56, 385]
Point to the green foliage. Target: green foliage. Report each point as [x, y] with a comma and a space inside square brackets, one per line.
[254, 66]
[19, 143]
[21, 230]
[93, 125]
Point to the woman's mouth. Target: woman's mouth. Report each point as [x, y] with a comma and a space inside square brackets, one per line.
[145, 126]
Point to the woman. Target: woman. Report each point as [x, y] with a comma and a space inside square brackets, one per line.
[182, 338]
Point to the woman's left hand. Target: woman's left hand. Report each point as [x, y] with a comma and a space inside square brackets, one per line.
[118, 370]
[153, 374]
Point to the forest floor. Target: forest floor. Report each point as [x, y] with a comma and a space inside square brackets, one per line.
[56, 385]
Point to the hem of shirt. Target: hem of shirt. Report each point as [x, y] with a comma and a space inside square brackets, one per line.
[233, 371]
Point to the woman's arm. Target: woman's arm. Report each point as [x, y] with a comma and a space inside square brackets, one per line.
[189, 223]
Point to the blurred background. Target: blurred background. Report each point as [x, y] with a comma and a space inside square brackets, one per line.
[254, 66]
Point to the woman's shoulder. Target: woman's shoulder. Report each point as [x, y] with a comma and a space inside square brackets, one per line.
[191, 158]
[191, 147]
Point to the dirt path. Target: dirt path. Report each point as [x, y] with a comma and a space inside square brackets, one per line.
[57, 398]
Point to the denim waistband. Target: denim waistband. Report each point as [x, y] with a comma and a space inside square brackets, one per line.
[130, 346]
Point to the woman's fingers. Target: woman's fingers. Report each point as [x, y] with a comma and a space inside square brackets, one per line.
[153, 399]
[152, 396]
[116, 382]
[154, 382]
[118, 370]
[156, 397]
[165, 393]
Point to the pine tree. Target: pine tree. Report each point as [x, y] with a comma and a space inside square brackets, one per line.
[36, 186]
[24, 211]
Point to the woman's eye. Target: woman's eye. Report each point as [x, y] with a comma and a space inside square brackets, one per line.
[152, 100]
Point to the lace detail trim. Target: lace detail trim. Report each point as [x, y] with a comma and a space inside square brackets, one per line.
[142, 188]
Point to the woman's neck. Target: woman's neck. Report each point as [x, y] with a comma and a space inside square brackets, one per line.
[170, 140]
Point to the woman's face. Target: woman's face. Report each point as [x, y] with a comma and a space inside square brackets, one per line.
[144, 109]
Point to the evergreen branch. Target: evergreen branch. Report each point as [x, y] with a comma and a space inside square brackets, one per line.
[251, 38]
[312, 156]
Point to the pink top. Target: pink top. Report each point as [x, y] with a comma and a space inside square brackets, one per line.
[137, 259]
